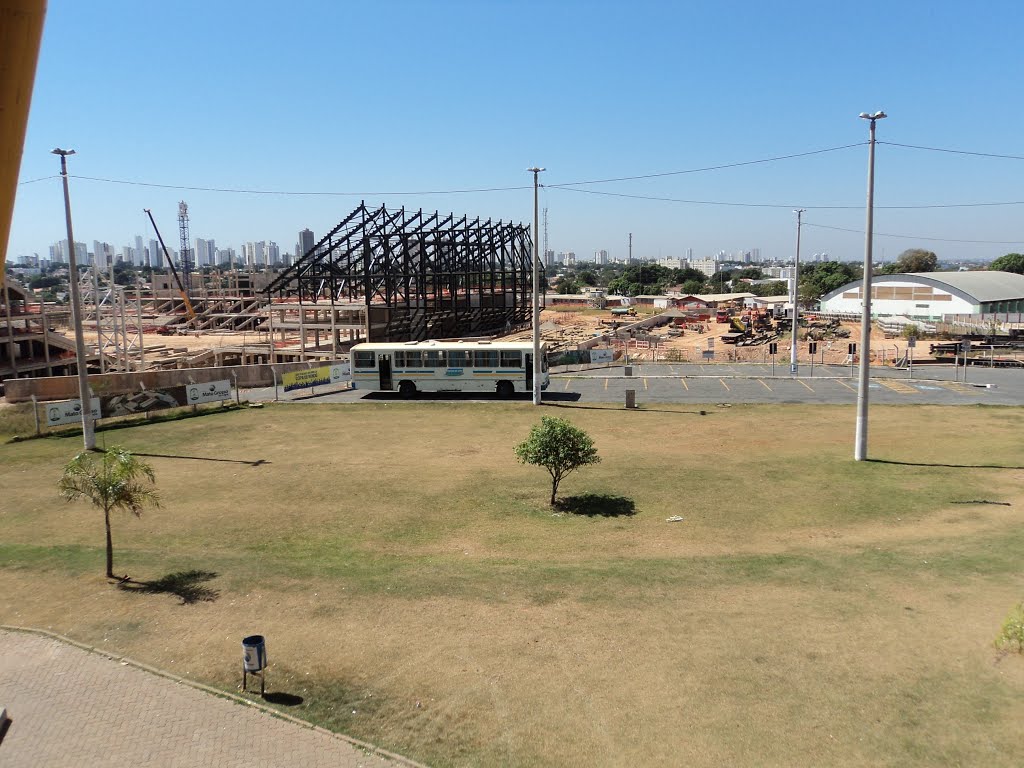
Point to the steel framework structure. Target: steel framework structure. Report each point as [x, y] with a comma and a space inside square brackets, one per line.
[419, 275]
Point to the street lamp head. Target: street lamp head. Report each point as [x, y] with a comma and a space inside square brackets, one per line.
[877, 116]
[62, 152]
[536, 170]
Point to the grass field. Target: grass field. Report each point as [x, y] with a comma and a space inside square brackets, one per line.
[416, 590]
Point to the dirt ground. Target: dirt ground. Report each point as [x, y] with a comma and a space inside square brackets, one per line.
[566, 329]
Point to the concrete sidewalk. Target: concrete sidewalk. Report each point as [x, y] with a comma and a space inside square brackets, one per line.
[72, 707]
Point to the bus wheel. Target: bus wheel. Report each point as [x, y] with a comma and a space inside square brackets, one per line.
[406, 389]
[505, 389]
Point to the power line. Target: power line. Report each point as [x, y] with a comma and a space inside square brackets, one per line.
[917, 237]
[715, 167]
[232, 190]
[41, 178]
[781, 205]
[953, 151]
[295, 192]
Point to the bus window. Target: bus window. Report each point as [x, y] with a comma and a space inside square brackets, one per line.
[458, 358]
[433, 358]
[485, 358]
[365, 360]
[413, 359]
[511, 358]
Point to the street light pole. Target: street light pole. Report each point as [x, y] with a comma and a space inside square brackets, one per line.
[796, 294]
[84, 398]
[860, 450]
[536, 289]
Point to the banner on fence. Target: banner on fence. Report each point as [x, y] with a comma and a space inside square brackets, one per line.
[143, 401]
[313, 377]
[210, 392]
[601, 355]
[69, 412]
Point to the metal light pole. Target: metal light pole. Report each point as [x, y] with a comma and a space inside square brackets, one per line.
[536, 289]
[796, 294]
[860, 450]
[88, 428]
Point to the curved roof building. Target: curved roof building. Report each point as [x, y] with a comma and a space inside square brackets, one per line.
[933, 294]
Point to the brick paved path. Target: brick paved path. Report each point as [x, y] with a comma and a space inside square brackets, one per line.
[70, 707]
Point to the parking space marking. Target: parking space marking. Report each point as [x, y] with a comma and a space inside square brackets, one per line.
[606, 382]
[567, 383]
[685, 385]
[956, 386]
[805, 384]
[843, 383]
[765, 385]
[645, 382]
[898, 386]
[725, 385]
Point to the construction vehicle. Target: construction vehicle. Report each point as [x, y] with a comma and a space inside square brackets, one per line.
[631, 311]
[722, 316]
[170, 263]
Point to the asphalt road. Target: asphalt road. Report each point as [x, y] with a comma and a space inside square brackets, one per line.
[734, 383]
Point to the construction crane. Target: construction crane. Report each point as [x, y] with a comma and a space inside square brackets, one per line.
[170, 263]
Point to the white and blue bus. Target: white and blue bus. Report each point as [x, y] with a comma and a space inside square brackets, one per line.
[447, 366]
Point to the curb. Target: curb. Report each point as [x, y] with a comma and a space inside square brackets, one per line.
[365, 746]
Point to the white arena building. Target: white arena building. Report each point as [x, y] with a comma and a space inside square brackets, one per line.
[930, 295]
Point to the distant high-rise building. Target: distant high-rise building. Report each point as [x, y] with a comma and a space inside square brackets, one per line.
[601, 257]
[139, 257]
[273, 253]
[154, 256]
[306, 242]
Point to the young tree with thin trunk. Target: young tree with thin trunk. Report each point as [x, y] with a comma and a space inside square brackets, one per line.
[118, 480]
[559, 447]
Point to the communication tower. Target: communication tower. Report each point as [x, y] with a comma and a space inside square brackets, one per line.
[184, 257]
[545, 260]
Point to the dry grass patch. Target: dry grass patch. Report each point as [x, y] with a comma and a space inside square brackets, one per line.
[417, 591]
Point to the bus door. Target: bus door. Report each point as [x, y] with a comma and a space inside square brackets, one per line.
[529, 372]
[384, 366]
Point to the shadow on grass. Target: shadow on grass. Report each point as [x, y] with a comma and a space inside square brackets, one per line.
[597, 505]
[256, 463]
[642, 408]
[188, 585]
[946, 466]
[284, 699]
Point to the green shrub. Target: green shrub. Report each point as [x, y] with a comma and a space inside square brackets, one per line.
[1011, 636]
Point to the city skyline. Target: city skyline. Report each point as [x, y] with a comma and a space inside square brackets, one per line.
[701, 132]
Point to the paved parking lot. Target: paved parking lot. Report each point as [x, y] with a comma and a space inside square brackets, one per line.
[740, 383]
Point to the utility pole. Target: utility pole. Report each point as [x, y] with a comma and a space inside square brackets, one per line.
[630, 260]
[860, 450]
[796, 294]
[88, 428]
[536, 287]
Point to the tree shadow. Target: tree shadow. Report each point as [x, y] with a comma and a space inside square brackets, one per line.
[284, 699]
[187, 585]
[597, 505]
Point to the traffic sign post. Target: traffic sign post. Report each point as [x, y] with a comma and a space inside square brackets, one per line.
[852, 349]
[911, 343]
[773, 349]
[812, 347]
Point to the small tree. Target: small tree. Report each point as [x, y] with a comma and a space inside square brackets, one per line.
[117, 481]
[559, 447]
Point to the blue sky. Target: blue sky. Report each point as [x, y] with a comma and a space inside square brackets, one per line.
[385, 100]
